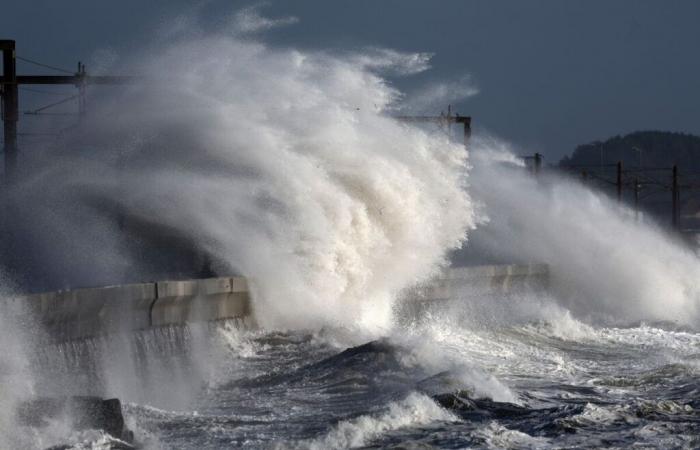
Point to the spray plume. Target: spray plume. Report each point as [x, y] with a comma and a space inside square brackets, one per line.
[606, 265]
[281, 164]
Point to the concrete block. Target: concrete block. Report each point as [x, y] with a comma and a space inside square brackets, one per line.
[210, 299]
[83, 313]
[483, 280]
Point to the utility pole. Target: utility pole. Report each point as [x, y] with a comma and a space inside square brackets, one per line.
[467, 122]
[675, 200]
[82, 107]
[10, 103]
[636, 198]
[538, 163]
[10, 81]
[619, 181]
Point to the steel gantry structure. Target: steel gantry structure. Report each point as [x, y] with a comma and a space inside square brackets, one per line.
[10, 95]
[444, 120]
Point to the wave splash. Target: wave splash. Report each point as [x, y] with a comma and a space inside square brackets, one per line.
[282, 165]
[606, 266]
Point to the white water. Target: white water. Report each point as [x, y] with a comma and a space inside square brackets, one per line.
[415, 410]
[605, 265]
[16, 377]
[285, 166]
[280, 163]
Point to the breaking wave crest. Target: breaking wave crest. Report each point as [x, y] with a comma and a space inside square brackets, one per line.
[413, 411]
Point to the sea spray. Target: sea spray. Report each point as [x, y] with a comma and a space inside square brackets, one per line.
[18, 378]
[282, 165]
[605, 265]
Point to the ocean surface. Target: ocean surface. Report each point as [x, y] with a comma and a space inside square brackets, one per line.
[459, 376]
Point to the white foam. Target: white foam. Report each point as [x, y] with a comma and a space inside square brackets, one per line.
[16, 375]
[441, 345]
[559, 323]
[283, 164]
[605, 265]
[497, 436]
[415, 410]
[601, 415]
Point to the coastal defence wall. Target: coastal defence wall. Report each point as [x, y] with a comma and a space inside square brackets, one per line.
[84, 313]
[462, 284]
[476, 280]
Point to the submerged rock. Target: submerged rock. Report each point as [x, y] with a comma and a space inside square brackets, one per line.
[456, 401]
[461, 402]
[82, 413]
[443, 382]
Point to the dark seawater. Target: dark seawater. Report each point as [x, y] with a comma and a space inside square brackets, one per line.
[484, 373]
[555, 383]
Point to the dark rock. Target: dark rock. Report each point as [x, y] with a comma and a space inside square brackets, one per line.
[455, 401]
[461, 402]
[97, 414]
[83, 412]
[443, 382]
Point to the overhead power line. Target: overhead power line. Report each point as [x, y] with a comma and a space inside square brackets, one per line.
[37, 111]
[39, 91]
[30, 61]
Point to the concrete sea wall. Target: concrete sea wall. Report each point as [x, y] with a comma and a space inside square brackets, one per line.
[462, 284]
[84, 313]
[476, 280]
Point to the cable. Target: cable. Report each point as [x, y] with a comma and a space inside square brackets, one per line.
[36, 111]
[33, 113]
[45, 65]
[39, 91]
[37, 134]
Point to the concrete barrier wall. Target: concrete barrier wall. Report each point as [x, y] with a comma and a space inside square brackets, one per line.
[200, 300]
[84, 313]
[483, 280]
[459, 285]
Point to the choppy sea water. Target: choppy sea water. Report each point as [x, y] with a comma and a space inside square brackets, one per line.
[442, 382]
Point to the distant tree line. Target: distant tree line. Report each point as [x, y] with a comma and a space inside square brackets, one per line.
[641, 148]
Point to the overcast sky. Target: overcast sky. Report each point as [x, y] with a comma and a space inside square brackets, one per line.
[551, 74]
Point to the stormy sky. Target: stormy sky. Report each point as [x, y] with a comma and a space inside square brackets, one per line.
[546, 74]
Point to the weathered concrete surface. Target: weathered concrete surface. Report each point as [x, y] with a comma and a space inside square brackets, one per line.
[476, 280]
[200, 300]
[84, 313]
[81, 313]
[462, 283]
